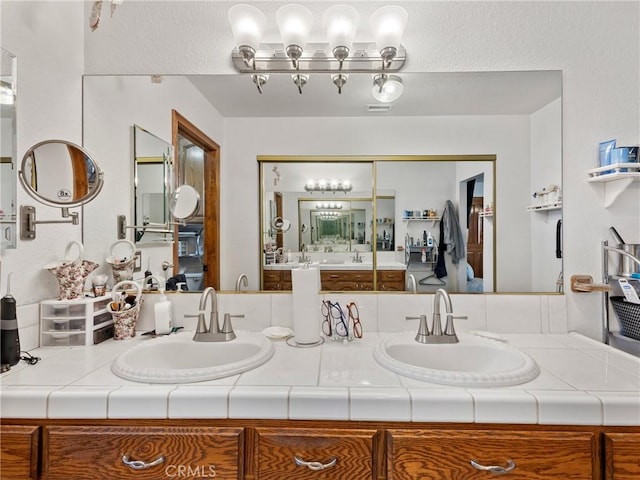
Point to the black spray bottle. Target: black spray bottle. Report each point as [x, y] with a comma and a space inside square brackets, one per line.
[9, 338]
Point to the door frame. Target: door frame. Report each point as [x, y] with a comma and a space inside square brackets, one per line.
[180, 125]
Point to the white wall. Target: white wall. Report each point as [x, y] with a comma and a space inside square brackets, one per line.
[576, 37]
[546, 155]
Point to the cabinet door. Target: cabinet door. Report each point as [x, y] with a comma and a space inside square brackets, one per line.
[622, 456]
[18, 452]
[391, 280]
[528, 455]
[94, 453]
[271, 280]
[314, 454]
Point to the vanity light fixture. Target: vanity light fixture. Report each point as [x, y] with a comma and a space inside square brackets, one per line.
[386, 88]
[338, 56]
[328, 186]
[329, 205]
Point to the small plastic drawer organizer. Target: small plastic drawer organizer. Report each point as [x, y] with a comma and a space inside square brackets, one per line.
[75, 322]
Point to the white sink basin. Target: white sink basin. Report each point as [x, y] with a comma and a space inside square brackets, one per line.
[474, 361]
[179, 359]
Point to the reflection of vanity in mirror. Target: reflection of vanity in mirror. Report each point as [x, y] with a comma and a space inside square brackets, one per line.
[338, 232]
[8, 162]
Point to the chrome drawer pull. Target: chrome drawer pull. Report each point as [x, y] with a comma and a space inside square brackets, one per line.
[316, 465]
[139, 464]
[511, 465]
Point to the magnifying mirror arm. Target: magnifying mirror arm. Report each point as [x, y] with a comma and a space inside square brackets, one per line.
[28, 220]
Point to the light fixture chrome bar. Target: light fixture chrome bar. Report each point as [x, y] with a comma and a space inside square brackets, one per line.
[363, 58]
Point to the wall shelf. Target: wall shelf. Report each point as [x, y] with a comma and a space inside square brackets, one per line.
[616, 178]
[421, 219]
[545, 207]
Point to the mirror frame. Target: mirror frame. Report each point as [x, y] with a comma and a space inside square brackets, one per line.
[92, 193]
[374, 160]
[166, 160]
[8, 224]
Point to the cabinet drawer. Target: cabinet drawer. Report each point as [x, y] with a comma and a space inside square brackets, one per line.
[90, 452]
[623, 456]
[277, 449]
[447, 454]
[391, 275]
[19, 452]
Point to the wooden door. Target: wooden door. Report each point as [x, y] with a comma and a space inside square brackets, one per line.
[475, 239]
[211, 201]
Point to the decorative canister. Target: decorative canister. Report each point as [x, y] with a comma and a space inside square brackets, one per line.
[72, 273]
[125, 309]
[122, 265]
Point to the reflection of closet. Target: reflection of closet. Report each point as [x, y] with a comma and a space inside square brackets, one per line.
[197, 251]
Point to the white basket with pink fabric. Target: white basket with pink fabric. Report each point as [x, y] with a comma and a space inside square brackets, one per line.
[72, 273]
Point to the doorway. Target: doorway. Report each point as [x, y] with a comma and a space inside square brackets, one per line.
[196, 254]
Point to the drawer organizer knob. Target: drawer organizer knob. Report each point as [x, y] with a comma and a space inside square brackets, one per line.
[498, 470]
[139, 464]
[316, 465]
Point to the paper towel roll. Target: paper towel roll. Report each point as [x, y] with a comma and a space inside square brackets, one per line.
[306, 307]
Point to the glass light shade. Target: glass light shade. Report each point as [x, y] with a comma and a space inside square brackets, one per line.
[391, 89]
[294, 23]
[341, 23]
[247, 25]
[388, 24]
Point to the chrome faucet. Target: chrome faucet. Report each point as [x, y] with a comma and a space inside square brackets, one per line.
[242, 280]
[212, 333]
[303, 258]
[435, 334]
[357, 258]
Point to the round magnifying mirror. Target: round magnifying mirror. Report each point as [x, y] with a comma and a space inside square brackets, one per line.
[281, 224]
[60, 174]
[185, 201]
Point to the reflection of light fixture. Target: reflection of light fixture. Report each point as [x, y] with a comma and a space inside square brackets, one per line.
[325, 186]
[329, 215]
[386, 88]
[338, 56]
[329, 205]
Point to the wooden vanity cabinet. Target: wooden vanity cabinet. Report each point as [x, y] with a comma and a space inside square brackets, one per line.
[536, 455]
[622, 456]
[276, 280]
[99, 452]
[391, 280]
[19, 452]
[321, 453]
[339, 280]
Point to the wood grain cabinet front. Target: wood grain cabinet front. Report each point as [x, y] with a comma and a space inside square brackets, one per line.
[19, 452]
[480, 454]
[276, 280]
[315, 454]
[622, 459]
[391, 280]
[119, 452]
[339, 280]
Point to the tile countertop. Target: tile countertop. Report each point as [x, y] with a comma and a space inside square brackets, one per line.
[582, 382]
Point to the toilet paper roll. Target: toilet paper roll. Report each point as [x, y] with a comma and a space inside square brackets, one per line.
[306, 310]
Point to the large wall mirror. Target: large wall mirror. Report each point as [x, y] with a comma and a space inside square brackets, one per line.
[8, 162]
[512, 120]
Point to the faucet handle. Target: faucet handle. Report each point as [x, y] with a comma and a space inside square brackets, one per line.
[423, 328]
[202, 327]
[226, 326]
[449, 328]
